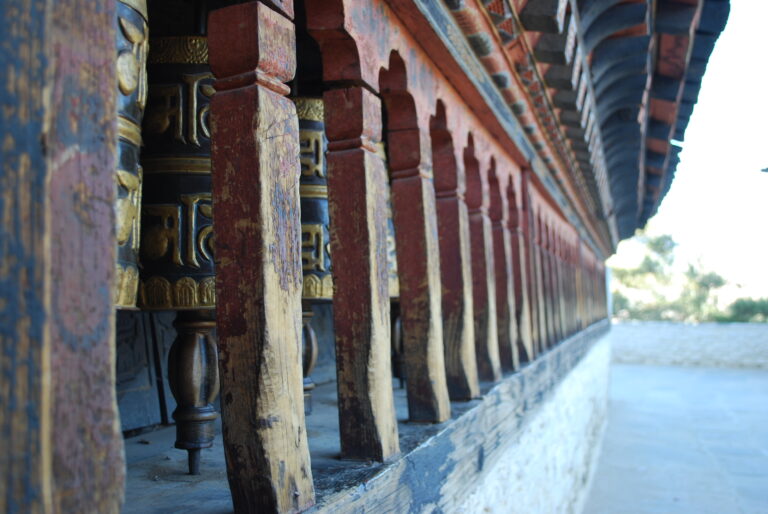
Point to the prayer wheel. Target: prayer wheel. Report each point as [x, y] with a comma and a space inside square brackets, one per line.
[177, 267]
[132, 45]
[315, 236]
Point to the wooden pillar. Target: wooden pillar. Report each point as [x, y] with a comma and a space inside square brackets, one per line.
[562, 286]
[550, 269]
[483, 280]
[505, 294]
[357, 177]
[455, 264]
[418, 259]
[255, 156]
[529, 253]
[520, 279]
[541, 285]
[59, 427]
[356, 180]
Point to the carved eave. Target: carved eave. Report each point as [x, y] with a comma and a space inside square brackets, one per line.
[558, 48]
[624, 76]
[685, 35]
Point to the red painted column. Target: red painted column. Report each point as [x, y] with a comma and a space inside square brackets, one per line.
[356, 178]
[79, 429]
[418, 258]
[455, 266]
[483, 280]
[529, 254]
[505, 294]
[520, 282]
[255, 157]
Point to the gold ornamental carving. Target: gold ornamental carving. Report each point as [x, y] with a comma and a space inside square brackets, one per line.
[317, 287]
[132, 44]
[186, 293]
[179, 50]
[310, 109]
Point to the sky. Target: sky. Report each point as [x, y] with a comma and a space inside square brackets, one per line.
[717, 207]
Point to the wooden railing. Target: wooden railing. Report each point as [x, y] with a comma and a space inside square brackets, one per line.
[491, 272]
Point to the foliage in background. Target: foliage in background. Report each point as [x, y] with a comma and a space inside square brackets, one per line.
[653, 291]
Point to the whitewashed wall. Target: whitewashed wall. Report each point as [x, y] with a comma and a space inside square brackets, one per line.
[548, 468]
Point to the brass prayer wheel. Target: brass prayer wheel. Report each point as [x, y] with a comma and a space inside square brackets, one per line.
[177, 229]
[177, 214]
[313, 189]
[132, 46]
[315, 235]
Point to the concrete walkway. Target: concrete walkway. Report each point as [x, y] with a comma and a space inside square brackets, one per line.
[684, 440]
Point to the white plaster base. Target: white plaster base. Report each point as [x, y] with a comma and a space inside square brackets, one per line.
[549, 468]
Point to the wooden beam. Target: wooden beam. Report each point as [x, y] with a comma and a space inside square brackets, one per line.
[455, 267]
[418, 259]
[483, 280]
[532, 269]
[356, 178]
[25, 462]
[255, 158]
[81, 323]
[505, 293]
[525, 350]
[59, 428]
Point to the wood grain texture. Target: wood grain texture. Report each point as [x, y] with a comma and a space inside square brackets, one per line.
[458, 317]
[483, 279]
[356, 179]
[455, 263]
[87, 446]
[25, 461]
[529, 252]
[484, 297]
[520, 276]
[418, 265]
[418, 259]
[549, 284]
[255, 157]
[59, 416]
[505, 294]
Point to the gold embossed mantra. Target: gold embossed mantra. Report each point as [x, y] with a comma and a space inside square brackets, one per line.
[315, 240]
[176, 251]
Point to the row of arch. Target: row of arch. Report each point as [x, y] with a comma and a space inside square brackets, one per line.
[525, 271]
[475, 233]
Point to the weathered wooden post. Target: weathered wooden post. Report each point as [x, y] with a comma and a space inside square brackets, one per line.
[357, 178]
[62, 450]
[523, 307]
[256, 171]
[455, 263]
[502, 259]
[483, 281]
[418, 260]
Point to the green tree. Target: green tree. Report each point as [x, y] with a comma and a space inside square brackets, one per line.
[697, 301]
[694, 301]
[746, 310]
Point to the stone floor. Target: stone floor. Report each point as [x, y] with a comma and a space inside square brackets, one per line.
[684, 440]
